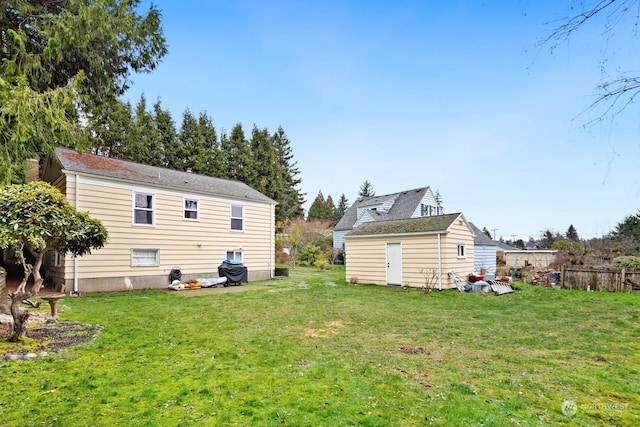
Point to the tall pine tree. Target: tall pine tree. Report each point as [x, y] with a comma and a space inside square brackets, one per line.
[290, 205]
[269, 179]
[366, 190]
[112, 127]
[341, 209]
[145, 146]
[317, 210]
[236, 156]
[168, 136]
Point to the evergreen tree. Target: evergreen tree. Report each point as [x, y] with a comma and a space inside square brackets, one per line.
[168, 136]
[236, 156]
[330, 209]
[546, 242]
[112, 127]
[366, 190]
[487, 232]
[145, 142]
[187, 137]
[290, 205]
[627, 235]
[269, 178]
[205, 152]
[317, 210]
[62, 61]
[572, 234]
[341, 209]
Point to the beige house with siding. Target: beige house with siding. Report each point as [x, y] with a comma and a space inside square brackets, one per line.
[401, 252]
[158, 219]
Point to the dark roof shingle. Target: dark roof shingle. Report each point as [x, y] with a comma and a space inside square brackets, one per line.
[152, 175]
[425, 224]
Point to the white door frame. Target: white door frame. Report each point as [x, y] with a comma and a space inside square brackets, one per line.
[394, 263]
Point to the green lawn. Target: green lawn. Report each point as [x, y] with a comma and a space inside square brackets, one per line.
[313, 350]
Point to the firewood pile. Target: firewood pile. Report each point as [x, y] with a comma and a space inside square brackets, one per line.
[546, 278]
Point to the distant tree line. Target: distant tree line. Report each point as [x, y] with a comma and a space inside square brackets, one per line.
[325, 209]
[262, 160]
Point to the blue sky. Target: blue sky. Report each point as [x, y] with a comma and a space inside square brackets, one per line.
[457, 95]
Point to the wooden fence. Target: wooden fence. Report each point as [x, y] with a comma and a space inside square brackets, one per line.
[608, 280]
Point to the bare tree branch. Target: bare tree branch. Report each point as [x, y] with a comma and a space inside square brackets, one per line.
[614, 95]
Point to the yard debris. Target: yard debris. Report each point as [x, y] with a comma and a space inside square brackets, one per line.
[483, 283]
[216, 282]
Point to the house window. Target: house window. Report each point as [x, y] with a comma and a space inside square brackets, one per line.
[145, 257]
[426, 210]
[461, 251]
[235, 255]
[191, 209]
[143, 209]
[237, 217]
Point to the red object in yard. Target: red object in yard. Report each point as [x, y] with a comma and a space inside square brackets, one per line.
[477, 278]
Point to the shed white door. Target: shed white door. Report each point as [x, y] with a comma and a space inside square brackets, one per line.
[394, 264]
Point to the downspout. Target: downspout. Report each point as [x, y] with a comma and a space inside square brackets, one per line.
[272, 249]
[439, 264]
[75, 258]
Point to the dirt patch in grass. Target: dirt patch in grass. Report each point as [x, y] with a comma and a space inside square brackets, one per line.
[47, 339]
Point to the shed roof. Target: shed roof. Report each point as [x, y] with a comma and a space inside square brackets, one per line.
[403, 207]
[132, 172]
[421, 225]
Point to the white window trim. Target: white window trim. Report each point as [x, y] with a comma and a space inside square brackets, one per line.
[154, 264]
[185, 210]
[235, 253]
[134, 208]
[231, 218]
[462, 251]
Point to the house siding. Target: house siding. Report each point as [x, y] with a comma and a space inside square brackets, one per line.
[485, 258]
[338, 239]
[459, 233]
[196, 247]
[429, 200]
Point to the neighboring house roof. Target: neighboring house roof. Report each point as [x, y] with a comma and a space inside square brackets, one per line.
[91, 164]
[504, 247]
[422, 225]
[406, 202]
[481, 238]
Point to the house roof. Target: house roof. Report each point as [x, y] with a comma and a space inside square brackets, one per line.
[106, 167]
[403, 207]
[481, 239]
[425, 224]
[505, 247]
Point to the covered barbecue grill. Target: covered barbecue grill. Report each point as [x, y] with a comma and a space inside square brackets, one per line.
[234, 271]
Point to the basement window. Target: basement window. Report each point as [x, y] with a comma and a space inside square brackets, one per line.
[145, 257]
[234, 255]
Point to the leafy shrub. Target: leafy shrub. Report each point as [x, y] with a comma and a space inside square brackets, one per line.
[309, 254]
[630, 262]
